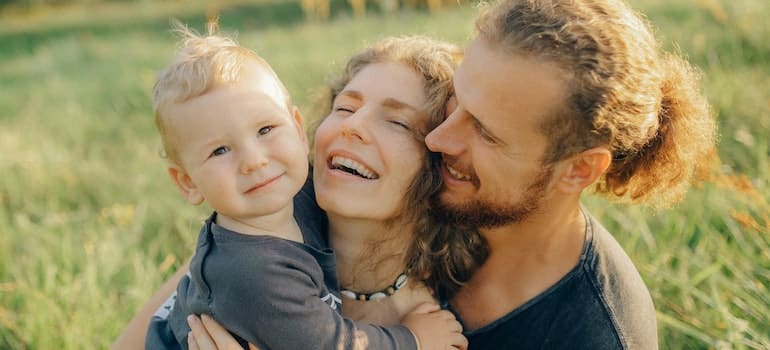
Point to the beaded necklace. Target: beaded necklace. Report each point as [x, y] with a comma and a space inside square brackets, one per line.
[388, 291]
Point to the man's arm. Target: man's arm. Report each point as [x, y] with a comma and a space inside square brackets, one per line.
[133, 336]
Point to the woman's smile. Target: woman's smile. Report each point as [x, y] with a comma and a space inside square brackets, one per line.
[351, 166]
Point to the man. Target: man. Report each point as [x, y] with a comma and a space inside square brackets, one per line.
[552, 98]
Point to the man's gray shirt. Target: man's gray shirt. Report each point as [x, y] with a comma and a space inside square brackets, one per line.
[601, 304]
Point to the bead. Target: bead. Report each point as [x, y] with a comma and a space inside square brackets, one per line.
[400, 281]
[348, 294]
[378, 295]
[390, 290]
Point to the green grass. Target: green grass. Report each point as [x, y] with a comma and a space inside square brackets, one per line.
[91, 225]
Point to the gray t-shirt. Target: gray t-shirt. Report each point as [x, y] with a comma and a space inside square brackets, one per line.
[274, 293]
[601, 304]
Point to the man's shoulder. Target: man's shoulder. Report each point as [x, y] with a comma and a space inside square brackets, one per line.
[611, 271]
[601, 304]
[620, 289]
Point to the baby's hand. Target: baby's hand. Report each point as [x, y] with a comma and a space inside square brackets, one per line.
[435, 329]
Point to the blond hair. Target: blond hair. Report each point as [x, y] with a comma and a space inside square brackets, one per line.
[625, 93]
[440, 256]
[202, 63]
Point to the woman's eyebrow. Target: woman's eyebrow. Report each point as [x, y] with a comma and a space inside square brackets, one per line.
[392, 103]
[352, 94]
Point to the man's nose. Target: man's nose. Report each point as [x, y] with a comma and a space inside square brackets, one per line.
[448, 136]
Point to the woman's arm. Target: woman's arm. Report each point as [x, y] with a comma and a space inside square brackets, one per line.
[134, 334]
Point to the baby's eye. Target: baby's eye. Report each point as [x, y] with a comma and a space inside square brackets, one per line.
[265, 130]
[220, 151]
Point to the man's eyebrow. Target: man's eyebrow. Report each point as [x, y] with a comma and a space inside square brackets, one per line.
[393, 103]
[476, 122]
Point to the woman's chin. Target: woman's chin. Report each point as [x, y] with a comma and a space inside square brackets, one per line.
[352, 206]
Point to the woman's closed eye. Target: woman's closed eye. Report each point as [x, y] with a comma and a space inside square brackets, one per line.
[219, 151]
[401, 124]
[344, 109]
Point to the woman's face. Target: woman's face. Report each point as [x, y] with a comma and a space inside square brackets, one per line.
[366, 152]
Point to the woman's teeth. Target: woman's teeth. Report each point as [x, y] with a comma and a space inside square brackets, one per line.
[353, 167]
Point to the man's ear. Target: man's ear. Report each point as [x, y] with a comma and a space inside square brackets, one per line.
[185, 184]
[299, 122]
[583, 169]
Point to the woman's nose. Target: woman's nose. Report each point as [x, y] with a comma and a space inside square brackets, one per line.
[355, 125]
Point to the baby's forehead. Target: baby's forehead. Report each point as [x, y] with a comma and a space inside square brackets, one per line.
[260, 76]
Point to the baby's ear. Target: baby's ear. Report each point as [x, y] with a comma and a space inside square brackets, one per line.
[185, 184]
[296, 115]
[584, 169]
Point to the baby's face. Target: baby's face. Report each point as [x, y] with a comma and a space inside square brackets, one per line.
[240, 147]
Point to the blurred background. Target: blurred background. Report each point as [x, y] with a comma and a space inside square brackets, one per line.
[90, 224]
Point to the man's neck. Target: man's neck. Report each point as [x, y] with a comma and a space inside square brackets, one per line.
[546, 234]
[525, 259]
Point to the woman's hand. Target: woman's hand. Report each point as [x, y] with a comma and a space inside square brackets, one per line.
[208, 334]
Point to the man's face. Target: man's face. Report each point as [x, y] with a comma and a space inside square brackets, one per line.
[491, 143]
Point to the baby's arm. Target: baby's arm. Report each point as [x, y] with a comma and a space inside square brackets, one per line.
[272, 300]
[439, 330]
[435, 328]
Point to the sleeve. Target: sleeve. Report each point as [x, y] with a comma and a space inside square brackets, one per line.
[160, 334]
[278, 302]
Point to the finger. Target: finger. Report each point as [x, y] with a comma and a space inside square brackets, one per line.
[458, 341]
[253, 347]
[455, 326]
[191, 343]
[221, 336]
[199, 334]
[426, 308]
[446, 315]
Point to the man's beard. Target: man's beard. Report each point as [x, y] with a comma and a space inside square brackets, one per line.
[485, 214]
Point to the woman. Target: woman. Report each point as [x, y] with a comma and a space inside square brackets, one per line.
[373, 175]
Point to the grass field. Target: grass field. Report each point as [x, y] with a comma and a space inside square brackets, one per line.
[91, 225]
